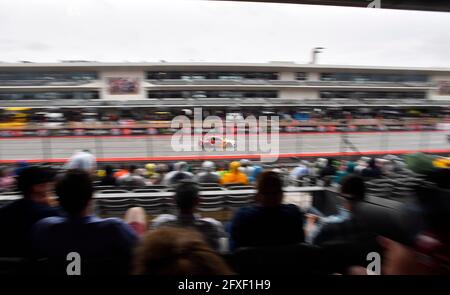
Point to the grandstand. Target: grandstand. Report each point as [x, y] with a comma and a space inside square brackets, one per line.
[171, 84]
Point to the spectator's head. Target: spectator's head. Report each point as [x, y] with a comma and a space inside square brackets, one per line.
[177, 251]
[208, 166]
[244, 162]
[36, 183]
[132, 169]
[234, 166]
[270, 189]
[150, 167]
[162, 168]
[353, 188]
[75, 190]
[186, 196]
[181, 166]
[372, 163]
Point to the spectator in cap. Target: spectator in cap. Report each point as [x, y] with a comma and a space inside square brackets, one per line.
[269, 222]
[17, 218]
[234, 175]
[187, 200]
[180, 173]
[83, 160]
[105, 245]
[208, 175]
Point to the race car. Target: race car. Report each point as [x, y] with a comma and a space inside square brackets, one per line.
[215, 142]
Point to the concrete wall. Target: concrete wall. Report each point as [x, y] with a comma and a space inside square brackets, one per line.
[132, 74]
[435, 94]
[289, 76]
[299, 94]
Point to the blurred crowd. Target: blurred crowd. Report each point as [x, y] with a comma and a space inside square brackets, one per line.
[56, 216]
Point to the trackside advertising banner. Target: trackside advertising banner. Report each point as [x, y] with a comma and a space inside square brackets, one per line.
[5, 133]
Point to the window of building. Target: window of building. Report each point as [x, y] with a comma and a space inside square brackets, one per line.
[301, 76]
[49, 95]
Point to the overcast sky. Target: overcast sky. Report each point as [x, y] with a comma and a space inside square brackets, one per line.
[210, 31]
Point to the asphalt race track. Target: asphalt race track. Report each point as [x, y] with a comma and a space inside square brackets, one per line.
[159, 147]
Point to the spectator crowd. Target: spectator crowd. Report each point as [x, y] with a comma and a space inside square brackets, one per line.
[55, 216]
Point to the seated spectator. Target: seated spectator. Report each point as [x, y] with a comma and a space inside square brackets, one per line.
[256, 172]
[180, 173]
[20, 166]
[247, 168]
[208, 175]
[105, 245]
[346, 168]
[17, 218]
[347, 224]
[176, 251]
[122, 172]
[269, 223]
[361, 164]
[132, 179]
[109, 178]
[372, 170]
[187, 199]
[299, 171]
[159, 174]
[7, 181]
[83, 160]
[234, 175]
[150, 173]
[329, 170]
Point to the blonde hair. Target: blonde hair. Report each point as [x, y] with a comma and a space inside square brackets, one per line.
[177, 251]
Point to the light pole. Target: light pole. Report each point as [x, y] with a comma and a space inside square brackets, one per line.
[315, 51]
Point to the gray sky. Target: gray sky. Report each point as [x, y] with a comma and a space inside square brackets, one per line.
[210, 31]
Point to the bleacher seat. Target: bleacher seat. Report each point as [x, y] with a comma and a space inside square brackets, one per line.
[211, 203]
[205, 185]
[113, 191]
[153, 205]
[114, 206]
[104, 187]
[10, 193]
[237, 201]
[240, 187]
[146, 190]
[210, 188]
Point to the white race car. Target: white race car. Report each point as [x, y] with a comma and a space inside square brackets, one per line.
[215, 142]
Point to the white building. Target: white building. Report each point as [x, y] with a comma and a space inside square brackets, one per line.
[94, 83]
